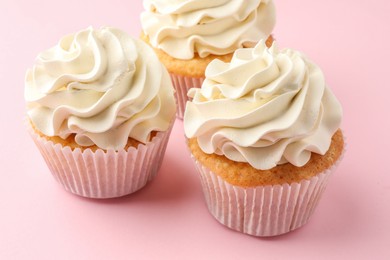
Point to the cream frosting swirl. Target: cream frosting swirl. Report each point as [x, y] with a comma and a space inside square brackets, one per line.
[182, 28]
[102, 86]
[267, 107]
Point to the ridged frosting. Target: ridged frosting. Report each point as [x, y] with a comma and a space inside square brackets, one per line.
[267, 107]
[102, 86]
[183, 28]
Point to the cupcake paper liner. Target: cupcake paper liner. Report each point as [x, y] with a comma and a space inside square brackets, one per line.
[103, 174]
[263, 210]
[182, 84]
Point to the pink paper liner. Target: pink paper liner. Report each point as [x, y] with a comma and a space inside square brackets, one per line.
[103, 174]
[264, 210]
[182, 84]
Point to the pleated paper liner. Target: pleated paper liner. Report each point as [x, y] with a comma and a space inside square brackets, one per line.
[182, 84]
[264, 210]
[103, 174]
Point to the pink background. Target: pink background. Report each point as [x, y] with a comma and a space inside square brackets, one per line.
[168, 219]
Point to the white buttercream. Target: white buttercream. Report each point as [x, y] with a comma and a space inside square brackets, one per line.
[101, 85]
[182, 28]
[266, 107]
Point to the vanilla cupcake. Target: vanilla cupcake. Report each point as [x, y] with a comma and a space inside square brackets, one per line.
[187, 35]
[100, 108]
[264, 133]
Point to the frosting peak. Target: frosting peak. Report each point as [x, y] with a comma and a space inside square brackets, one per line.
[102, 86]
[183, 28]
[266, 107]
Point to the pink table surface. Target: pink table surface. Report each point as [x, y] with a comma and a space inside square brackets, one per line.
[168, 219]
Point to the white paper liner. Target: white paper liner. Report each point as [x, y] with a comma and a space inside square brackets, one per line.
[103, 174]
[264, 210]
[182, 84]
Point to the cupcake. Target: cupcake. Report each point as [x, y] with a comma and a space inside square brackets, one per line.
[100, 109]
[187, 35]
[263, 131]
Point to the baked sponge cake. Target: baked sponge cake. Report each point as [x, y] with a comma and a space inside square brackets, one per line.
[264, 133]
[187, 35]
[244, 175]
[100, 108]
